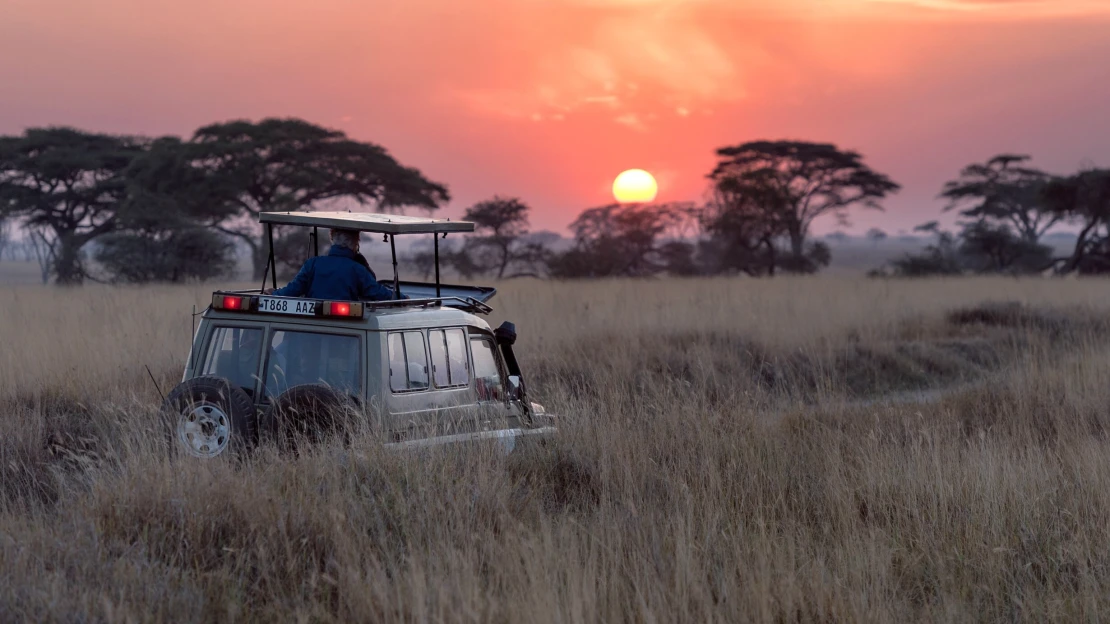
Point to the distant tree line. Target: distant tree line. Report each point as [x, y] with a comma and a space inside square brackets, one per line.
[762, 200]
[173, 209]
[168, 209]
[1006, 208]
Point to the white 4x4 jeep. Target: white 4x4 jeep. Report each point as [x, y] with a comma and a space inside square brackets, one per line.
[423, 371]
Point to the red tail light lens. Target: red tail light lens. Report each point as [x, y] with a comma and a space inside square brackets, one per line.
[342, 308]
[230, 302]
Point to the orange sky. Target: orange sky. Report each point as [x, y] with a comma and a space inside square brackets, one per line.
[550, 99]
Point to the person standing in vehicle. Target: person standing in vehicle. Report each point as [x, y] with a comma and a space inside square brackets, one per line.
[338, 275]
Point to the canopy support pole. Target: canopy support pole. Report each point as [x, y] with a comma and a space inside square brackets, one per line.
[435, 238]
[396, 280]
[273, 264]
[315, 241]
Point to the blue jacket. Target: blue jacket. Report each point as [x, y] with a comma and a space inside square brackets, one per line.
[336, 276]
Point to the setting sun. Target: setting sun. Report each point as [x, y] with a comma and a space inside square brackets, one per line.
[635, 186]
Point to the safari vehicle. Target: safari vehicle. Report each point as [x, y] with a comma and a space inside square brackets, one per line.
[423, 371]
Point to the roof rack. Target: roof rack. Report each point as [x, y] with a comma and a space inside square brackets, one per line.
[367, 222]
[466, 304]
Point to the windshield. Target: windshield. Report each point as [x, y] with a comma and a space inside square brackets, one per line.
[233, 354]
[296, 358]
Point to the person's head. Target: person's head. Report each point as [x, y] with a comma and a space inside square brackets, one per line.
[346, 238]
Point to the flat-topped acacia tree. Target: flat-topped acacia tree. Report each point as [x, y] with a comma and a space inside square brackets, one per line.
[290, 164]
[809, 179]
[1084, 200]
[1006, 190]
[66, 185]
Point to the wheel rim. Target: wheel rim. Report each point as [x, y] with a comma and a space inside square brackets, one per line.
[204, 429]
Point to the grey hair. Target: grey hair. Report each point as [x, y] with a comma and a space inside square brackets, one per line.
[346, 238]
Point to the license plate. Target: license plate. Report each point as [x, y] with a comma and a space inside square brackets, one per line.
[298, 307]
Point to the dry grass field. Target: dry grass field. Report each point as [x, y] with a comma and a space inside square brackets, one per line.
[732, 450]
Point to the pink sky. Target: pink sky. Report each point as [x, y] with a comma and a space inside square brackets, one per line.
[549, 100]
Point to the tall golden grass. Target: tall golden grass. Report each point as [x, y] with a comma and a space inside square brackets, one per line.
[795, 449]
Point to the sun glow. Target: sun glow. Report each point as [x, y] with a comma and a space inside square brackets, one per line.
[635, 186]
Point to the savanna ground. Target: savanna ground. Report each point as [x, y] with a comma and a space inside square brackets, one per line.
[815, 449]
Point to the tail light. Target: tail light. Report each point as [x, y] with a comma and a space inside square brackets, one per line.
[342, 308]
[230, 302]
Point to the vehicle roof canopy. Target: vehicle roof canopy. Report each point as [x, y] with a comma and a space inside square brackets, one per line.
[368, 222]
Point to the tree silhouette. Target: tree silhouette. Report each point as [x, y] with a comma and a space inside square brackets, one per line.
[165, 255]
[746, 213]
[1084, 199]
[811, 179]
[941, 257]
[290, 164]
[876, 235]
[499, 225]
[618, 240]
[160, 233]
[165, 189]
[1005, 190]
[988, 247]
[66, 186]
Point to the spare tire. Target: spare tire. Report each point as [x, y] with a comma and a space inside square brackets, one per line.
[308, 412]
[208, 417]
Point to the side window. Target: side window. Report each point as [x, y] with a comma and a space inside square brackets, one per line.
[233, 354]
[486, 373]
[297, 358]
[408, 361]
[449, 362]
[457, 358]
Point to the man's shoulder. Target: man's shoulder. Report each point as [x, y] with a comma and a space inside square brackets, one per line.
[346, 263]
[365, 272]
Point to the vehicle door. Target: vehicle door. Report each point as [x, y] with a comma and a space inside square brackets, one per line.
[299, 354]
[490, 383]
[427, 380]
[233, 351]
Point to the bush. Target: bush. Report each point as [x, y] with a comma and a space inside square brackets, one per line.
[193, 253]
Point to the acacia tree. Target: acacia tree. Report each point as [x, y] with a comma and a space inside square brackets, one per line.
[161, 234]
[65, 185]
[1084, 199]
[290, 164]
[163, 185]
[744, 217]
[619, 240]
[500, 223]
[1003, 189]
[812, 179]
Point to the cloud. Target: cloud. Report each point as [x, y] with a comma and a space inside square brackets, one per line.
[635, 57]
[1009, 8]
[624, 60]
[632, 120]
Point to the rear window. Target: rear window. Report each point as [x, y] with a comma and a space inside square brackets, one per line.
[233, 354]
[408, 362]
[449, 361]
[296, 358]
